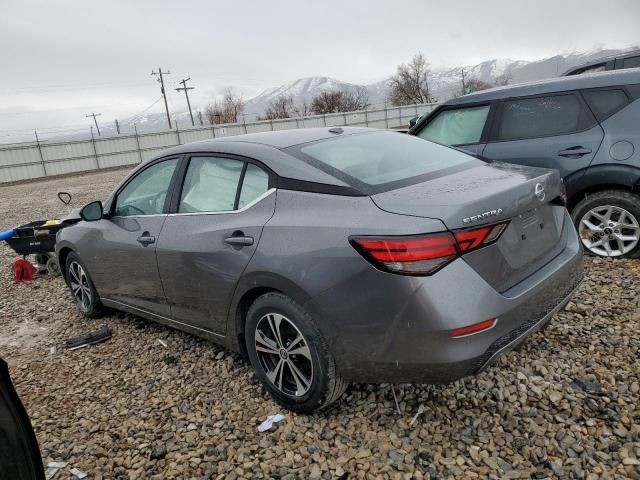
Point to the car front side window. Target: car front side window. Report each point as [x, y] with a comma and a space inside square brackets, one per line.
[146, 193]
[460, 126]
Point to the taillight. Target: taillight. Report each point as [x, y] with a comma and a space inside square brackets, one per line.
[474, 328]
[424, 254]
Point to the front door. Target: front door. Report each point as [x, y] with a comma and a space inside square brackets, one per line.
[206, 245]
[123, 258]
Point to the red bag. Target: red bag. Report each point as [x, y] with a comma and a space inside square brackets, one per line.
[23, 270]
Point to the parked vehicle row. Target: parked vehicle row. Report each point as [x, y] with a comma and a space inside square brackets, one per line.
[332, 256]
[584, 126]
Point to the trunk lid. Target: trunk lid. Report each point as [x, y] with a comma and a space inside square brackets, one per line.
[491, 193]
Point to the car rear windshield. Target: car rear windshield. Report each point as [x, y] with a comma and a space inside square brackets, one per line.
[380, 158]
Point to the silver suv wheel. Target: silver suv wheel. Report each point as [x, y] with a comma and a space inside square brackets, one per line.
[609, 231]
[284, 354]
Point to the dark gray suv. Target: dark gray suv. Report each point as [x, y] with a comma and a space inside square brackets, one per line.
[587, 127]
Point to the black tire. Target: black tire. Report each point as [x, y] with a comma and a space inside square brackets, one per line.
[614, 198]
[326, 384]
[89, 302]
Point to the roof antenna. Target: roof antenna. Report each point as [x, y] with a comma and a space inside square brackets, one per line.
[336, 130]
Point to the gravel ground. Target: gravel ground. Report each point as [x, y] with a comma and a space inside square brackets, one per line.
[564, 406]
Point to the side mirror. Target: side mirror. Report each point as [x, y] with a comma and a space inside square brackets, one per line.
[92, 211]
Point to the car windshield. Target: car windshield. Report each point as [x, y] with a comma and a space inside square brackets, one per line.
[380, 157]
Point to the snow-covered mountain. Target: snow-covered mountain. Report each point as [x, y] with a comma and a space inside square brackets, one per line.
[445, 82]
[302, 90]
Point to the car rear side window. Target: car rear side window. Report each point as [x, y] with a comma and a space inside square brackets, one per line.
[542, 117]
[379, 158]
[604, 103]
[254, 184]
[458, 126]
[631, 62]
[211, 185]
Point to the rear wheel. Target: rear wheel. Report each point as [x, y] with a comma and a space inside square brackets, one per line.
[608, 223]
[290, 356]
[81, 287]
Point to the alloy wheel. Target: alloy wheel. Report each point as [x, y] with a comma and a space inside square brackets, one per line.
[609, 231]
[80, 287]
[284, 354]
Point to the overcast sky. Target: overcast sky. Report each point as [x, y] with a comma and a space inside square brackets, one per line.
[63, 59]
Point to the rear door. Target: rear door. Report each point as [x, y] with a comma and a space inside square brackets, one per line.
[206, 244]
[552, 131]
[462, 127]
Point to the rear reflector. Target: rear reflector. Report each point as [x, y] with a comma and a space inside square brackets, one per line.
[474, 328]
[424, 254]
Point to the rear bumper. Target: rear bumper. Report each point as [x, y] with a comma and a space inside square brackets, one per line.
[398, 329]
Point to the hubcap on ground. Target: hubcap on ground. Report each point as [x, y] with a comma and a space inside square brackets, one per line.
[609, 231]
[284, 354]
[80, 285]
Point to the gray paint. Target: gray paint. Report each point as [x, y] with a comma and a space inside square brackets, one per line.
[379, 326]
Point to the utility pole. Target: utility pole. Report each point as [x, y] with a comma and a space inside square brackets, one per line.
[117, 126]
[186, 94]
[94, 115]
[463, 85]
[160, 73]
[200, 117]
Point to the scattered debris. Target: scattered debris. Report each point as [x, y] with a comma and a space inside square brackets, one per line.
[89, 339]
[268, 423]
[23, 271]
[418, 413]
[52, 468]
[78, 473]
[395, 399]
[158, 452]
[163, 343]
[586, 386]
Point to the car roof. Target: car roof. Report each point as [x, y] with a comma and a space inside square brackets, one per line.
[606, 58]
[282, 139]
[267, 147]
[552, 85]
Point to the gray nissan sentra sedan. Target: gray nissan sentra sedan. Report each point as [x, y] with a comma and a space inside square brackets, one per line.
[331, 255]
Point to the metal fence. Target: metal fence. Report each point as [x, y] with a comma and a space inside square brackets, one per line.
[41, 159]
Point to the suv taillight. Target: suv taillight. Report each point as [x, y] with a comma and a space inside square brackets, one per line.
[425, 254]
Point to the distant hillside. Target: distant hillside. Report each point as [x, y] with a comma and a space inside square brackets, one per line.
[444, 82]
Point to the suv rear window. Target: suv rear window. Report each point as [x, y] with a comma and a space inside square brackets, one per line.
[379, 158]
[542, 117]
[605, 103]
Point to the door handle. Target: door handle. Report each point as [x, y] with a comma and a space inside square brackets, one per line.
[574, 152]
[145, 239]
[239, 241]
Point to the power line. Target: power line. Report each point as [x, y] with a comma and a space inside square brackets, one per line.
[134, 117]
[186, 94]
[160, 73]
[94, 115]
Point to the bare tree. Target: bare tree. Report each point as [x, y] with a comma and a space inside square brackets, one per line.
[410, 84]
[229, 110]
[303, 109]
[280, 107]
[340, 101]
[504, 79]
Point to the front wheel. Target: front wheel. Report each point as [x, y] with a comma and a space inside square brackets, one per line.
[81, 287]
[290, 355]
[608, 223]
